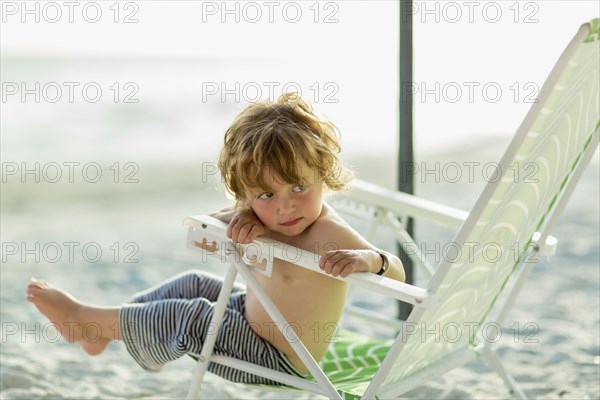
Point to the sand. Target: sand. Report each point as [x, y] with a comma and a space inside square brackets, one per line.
[558, 308]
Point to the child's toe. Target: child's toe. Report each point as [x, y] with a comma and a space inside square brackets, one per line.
[36, 283]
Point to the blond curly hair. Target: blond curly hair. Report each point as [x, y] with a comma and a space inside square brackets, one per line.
[280, 136]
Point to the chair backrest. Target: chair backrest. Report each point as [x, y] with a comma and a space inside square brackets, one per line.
[559, 131]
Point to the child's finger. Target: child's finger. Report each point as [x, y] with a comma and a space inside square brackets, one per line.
[340, 266]
[331, 262]
[233, 228]
[234, 234]
[325, 257]
[255, 232]
[244, 232]
[238, 234]
[350, 268]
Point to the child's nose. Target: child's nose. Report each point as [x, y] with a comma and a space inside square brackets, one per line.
[285, 205]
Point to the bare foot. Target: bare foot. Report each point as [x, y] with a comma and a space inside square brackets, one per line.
[68, 315]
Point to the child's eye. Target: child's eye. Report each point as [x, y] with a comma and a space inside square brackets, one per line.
[299, 188]
[265, 195]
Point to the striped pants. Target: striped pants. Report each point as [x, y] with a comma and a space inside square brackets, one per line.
[173, 318]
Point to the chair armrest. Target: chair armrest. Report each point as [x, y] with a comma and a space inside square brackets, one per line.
[405, 204]
[209, 235]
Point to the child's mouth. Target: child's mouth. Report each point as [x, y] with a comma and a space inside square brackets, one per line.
[292, 222]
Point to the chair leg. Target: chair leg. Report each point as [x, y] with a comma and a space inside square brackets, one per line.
[209, 344]
[510, 382]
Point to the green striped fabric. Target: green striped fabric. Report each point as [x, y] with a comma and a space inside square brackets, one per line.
[351, 362]
[594, 32]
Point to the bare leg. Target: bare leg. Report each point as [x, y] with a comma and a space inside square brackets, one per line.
[91, 326]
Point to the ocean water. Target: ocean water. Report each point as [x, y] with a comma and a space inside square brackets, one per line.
[476, 68]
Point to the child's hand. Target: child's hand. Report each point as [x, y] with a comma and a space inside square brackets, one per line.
[345, 262]
[244, 227]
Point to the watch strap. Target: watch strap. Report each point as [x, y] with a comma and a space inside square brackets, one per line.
[386, 263]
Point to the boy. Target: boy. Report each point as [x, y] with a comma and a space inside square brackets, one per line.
[277, 161]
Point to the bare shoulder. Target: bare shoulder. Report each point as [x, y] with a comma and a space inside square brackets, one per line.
[331, 232]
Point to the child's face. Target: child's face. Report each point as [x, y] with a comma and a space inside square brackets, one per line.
[288, 208]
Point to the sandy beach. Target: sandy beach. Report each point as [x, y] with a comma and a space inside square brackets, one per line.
[558, 309]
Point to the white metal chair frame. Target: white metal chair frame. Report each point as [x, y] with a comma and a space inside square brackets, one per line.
[206, 232]
[390, 208]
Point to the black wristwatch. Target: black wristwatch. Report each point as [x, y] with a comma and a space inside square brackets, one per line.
[386, 263]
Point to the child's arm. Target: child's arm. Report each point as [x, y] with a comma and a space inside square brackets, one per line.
[353, 252]
[244, 226]
[345, 262]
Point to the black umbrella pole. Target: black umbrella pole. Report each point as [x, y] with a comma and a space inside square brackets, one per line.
[405, 148]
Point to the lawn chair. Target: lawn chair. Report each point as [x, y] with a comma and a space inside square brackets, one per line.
[469, 288]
